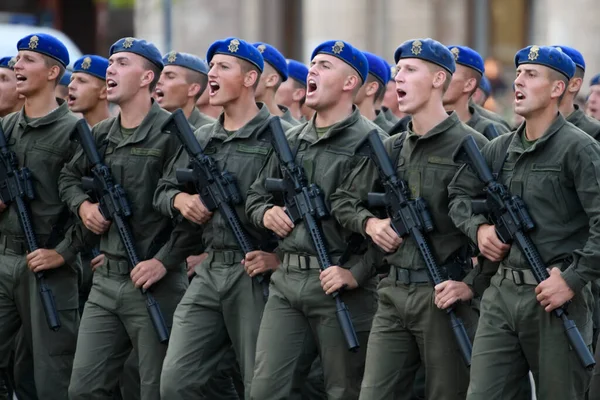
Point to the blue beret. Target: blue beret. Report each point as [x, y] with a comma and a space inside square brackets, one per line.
[378, 67]
[66, 78]
[7, 62]
[297, 71]
[47, 45]
[274, 57]
[485, 85]
[428, 50]
[595, 80]
[236, 48]
[547, 56]
[93, 65]
[139, 47]
[575, 55]
[468, 57]
[345, 52]
[186, 60]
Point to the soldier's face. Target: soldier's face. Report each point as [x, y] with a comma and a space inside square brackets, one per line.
[226, 80]
[125, 77]
[457, 87]
[414, 83]
[85, 91]
[326, 80]
[284, 95]
[533, 89]
[32, 72]
[9, 97]
[172, 88]
[593, 104]
[390, 99]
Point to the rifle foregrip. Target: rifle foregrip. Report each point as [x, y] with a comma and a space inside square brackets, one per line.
[279, 141]
[158, 321]
[345, 321]
[49, 305]
[469, 153]
[177, 123]
[83, 135]
[380, 155]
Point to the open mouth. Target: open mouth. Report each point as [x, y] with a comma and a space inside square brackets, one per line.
[519, 96]
[71, 99]
[20, 78]
[159, 94]
[311, 86]
[400, 93]
[110, 83]
[213, 88]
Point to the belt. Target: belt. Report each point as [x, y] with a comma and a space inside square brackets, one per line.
[15, 244]
[116, 266]
[408, 276]
[518, 276]
[304, 262]
[227, 257]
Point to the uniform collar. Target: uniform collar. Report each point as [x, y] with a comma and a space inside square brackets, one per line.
[218, 131]
[47, 119]
[443, 126]
[516, 145]
[141, 131]
[309, 133]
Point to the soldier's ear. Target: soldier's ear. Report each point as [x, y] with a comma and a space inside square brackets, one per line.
[147, 78]
[102, 94]
[251, 77]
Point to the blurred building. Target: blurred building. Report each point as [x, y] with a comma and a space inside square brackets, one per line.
[496, 28]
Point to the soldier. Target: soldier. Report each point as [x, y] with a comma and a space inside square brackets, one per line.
[223, 305]
[553, 166]
[37, 135]
[389, 105]
[87, 90]
[568, 108]
[115, 319]
[593, 101]
[183, 80]
[300, 316]
[203, 105]
[292, 92]
[10, 99]
[275, 73]
[402, 338]
[62, 89]
[469, 71]
[181, 83]
[369, 97]
[483, 92]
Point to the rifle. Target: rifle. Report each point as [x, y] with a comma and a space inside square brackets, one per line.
[16, 187]
[114, 207]
[490, 132]
[508, 213]
[305, 202]
[410, 218]
[217, 189]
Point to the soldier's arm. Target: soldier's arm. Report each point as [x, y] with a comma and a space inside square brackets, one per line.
[168, 187]
[259, 200]
[586, 179]
[77, 239]
[69, 182]
[185, 240]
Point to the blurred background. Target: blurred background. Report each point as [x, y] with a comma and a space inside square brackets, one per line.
[495, 28]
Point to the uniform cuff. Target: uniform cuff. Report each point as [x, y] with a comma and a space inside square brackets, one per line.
[573, 279]
[77, 202]
[65, 250]
[474, 224]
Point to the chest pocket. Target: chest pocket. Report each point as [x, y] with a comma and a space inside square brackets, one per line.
[243, 161]
[545, 188]
[331, 165]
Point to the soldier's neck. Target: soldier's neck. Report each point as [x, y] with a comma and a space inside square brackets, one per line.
[188, 109]
[539, 121]
[209, 110]
[239, 112]
[97, 114]
[332, 115]
[295, 110]
[461, 108]
[428, 117]
[566, 107]
[134, 111]
[41, 104]
[367, 109]
[269, 99]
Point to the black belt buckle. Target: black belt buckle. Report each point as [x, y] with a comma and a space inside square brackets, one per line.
[306, 265]
[403, 276]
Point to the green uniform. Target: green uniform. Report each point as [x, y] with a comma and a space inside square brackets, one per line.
[223, 305]
[382, 122]
[389, 115]
[558, 179]
[490, 115]
[587, 124]
[43, 146]
[115, 319]
[408, 328]
[299, 317]
[481, 123]
[287, 116]
[197, 119]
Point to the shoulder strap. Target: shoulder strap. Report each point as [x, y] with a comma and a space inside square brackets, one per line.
[499, 162]
[8, 132]
[397, 148]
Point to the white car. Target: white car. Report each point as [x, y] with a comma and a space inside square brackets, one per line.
[10, 34]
